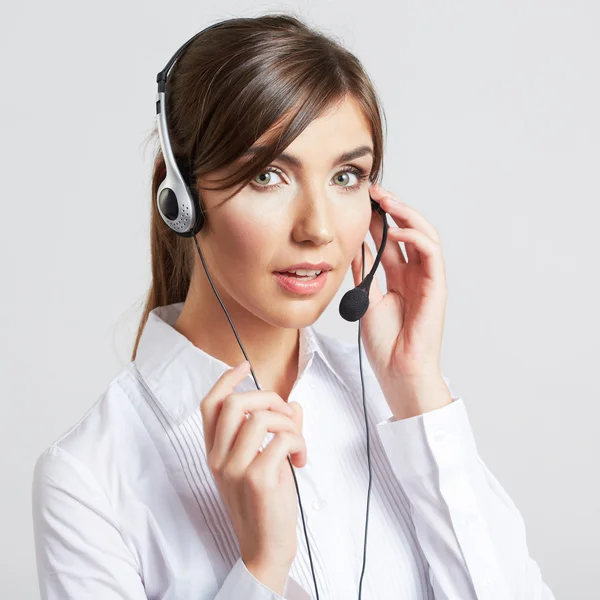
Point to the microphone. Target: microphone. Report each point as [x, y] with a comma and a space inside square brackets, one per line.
[355, 302]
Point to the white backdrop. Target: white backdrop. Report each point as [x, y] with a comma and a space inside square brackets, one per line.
[493, 135]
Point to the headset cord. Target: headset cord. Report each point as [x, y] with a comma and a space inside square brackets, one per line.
[288, 457]
[258, 387]
[367, 428]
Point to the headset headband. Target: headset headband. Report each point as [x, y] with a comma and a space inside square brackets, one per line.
[178, 205]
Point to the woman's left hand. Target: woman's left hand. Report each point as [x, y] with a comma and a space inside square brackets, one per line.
[402, 330]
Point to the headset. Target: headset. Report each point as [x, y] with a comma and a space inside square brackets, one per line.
[181, 209]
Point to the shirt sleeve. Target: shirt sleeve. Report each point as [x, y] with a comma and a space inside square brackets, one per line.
[80, 551]
[240, 583]
[471, 533]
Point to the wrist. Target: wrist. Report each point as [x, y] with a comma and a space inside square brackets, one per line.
[272, 576]
[408, 397]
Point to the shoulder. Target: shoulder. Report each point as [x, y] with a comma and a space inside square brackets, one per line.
[103, 439]
[77, 510]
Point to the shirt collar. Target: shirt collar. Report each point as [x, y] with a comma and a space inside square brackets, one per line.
[180, 374]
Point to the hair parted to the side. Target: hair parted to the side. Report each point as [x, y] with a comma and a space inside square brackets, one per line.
[233, 83]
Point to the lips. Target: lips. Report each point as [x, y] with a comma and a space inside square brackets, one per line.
[322, 266]
[301, 285]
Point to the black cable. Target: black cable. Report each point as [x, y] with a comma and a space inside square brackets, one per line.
[258, 387]
[161, 79]
[367, 428]
[288, 457]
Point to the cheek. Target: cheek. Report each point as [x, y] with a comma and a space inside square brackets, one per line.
[243, 244]
[355, 231]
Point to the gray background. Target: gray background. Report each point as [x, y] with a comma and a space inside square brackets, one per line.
[493, 135]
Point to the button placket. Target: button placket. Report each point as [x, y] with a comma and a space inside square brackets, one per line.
[316, 504]
[471, 520]
[313, 502]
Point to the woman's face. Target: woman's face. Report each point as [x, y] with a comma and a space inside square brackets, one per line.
[317, 210]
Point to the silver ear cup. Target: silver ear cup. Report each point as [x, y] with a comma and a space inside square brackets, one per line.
[174, 202]
[173, 198]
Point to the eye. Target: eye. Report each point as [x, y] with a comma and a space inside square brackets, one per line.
[342, 176]
[269, 172]
[266, 177]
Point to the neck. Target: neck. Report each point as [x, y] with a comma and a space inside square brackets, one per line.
[272, 351]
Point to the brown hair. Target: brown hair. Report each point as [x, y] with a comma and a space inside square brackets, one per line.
[236, 81]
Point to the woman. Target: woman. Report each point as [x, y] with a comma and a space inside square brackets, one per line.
[165, 489]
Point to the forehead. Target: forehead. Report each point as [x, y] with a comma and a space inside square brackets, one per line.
[341, 128]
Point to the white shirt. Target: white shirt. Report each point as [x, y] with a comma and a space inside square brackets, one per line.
[125, 507]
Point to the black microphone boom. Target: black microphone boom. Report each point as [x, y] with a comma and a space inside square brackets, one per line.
[355, 302]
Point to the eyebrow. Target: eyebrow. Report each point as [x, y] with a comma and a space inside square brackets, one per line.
[296, 162]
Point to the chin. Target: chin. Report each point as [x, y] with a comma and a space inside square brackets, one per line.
[293, 317]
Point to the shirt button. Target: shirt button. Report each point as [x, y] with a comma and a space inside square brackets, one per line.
[317, 505]
[439, 435]
[489, 591]
[470, 520]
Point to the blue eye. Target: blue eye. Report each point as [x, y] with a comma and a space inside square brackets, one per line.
[360, 174]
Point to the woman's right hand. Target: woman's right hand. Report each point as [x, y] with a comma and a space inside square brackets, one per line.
[257, 486]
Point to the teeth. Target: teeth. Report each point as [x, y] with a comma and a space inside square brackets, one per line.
[304, 272]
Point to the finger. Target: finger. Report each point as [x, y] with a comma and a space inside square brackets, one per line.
[233, 416]
[210, 404]
[401, 218]
[246, 446]
[412, 255]
[430, 251]
[274, 457]
[298, 415]
[403, 214]
[392, 257]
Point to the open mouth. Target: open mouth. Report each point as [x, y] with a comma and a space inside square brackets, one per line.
[301, 277]
[301, 284]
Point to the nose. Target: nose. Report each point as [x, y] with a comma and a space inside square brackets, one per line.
[314, 219]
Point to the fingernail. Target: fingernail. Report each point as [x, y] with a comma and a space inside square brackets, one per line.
[242, 366]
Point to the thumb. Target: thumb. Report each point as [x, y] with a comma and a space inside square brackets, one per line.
[299, 459]
[298, 416]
